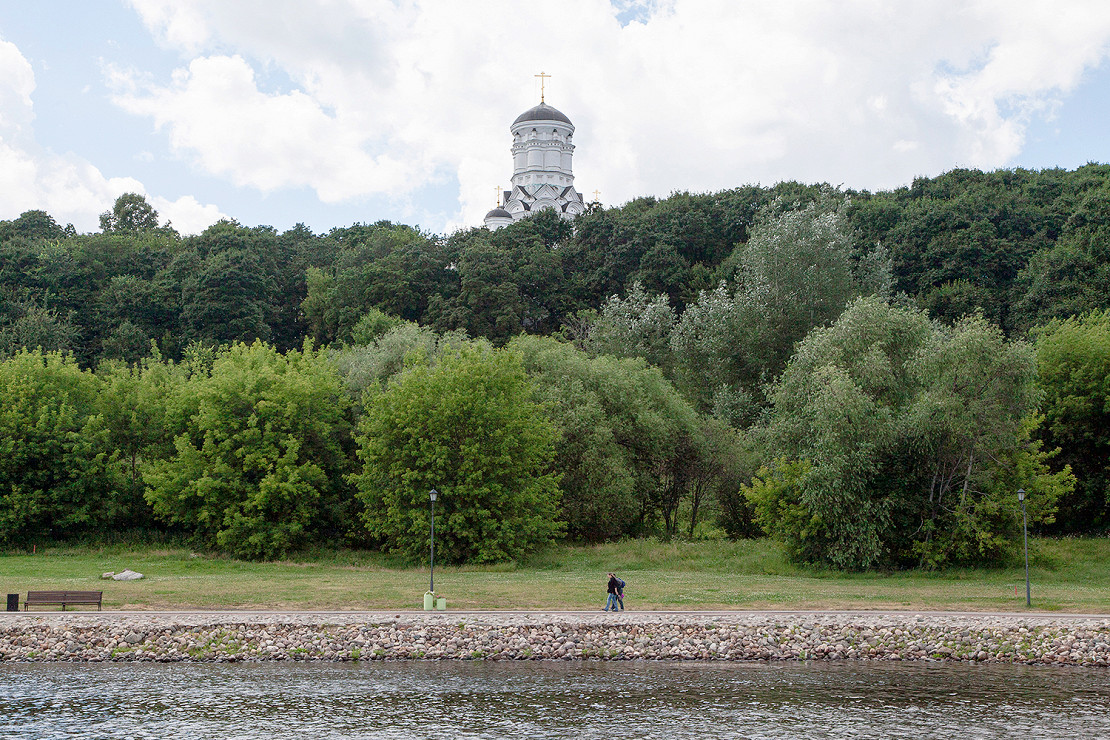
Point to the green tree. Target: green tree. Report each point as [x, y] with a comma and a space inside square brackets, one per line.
[227, 300]
[372, 365]
[135, 300]
[261, 447]
[373, 325]
[134, 403]
[235, 283]
[320, 306]
[125, 342]
[34, 225]
[130, 213]
[1063, 281]
[980, 227]
[509, 282]
[911, 434]
[38, 327]
[467, 427]
[796, 272]
[1073, 366]
[669, 246]
[631, 448]
[56, 465]
[395, 269]
[638, 325]
[776, 495]
[953, 300]
[971, 420]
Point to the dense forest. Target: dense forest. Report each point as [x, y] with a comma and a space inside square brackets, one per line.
[868, 377]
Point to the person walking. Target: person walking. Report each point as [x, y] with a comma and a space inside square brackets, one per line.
[613, 588]
[620, 591]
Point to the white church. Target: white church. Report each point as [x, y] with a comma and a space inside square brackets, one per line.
[543, 145]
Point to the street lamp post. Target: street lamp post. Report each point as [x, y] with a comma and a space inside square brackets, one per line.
[1025, 536]
[432, 559]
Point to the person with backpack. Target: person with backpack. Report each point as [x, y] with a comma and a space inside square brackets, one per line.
[613, 589]
[620, 592]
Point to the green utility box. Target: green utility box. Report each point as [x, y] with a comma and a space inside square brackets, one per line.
[441, 604]
[429, 601]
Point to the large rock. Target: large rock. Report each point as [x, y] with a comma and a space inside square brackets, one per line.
[127, 575]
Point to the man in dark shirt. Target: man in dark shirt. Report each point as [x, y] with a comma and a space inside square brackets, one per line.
[614, 587]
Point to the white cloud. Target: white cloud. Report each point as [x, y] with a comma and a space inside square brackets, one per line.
[180, 24]
[381, 97]
[186, 214]
[15, 93]
[67, 187]
[214, 111]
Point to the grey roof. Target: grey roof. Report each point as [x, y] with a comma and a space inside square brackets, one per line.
[499, 213]
[542, 112]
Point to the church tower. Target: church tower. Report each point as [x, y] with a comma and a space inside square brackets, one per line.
[542, 150]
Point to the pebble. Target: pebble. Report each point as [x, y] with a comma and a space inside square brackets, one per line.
[75, 637]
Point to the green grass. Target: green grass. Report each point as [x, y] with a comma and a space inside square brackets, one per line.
[1067, 575]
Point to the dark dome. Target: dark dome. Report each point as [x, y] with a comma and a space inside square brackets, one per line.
[542, 112]
[499, 213]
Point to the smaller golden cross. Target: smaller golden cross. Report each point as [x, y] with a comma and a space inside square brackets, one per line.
[542, 77]
[497, 191]
[596, 193]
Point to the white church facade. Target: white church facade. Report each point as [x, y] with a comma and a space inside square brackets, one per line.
[543, 147]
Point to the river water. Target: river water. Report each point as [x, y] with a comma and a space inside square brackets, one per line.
[552, 700]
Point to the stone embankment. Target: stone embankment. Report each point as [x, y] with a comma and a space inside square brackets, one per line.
[94, 637]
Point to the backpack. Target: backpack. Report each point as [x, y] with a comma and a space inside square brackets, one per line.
[620, 584]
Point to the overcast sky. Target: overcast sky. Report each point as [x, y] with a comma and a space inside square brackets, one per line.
[341, 111]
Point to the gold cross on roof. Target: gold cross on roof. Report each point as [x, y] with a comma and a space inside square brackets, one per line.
[596, 193]
[543, 77]
[497, 190]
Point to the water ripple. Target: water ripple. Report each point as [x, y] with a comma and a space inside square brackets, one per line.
[551, 700]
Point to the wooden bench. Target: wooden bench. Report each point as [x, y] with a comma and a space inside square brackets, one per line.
[65, 598]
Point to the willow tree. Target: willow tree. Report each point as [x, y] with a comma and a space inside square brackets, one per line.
[900, 440]
[798, 271]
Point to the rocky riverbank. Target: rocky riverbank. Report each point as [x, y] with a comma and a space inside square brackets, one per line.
[99, 637]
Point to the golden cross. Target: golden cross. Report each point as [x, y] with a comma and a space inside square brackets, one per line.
[596, 193]
[542, 77]
[497, 190]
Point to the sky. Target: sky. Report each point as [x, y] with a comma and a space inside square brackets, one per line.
[335, 112]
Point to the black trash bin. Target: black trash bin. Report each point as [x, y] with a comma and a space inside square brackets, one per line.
[13, 602]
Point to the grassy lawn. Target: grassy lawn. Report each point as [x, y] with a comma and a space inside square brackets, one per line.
[1067, 575]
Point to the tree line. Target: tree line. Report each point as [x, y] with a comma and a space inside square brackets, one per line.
[866, 376]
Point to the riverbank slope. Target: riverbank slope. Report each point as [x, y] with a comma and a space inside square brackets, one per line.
[226, 637]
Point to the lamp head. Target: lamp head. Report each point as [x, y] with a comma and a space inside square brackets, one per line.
[432, 494]
[1021, 494]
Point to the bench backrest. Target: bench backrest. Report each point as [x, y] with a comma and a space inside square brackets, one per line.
[72, 597]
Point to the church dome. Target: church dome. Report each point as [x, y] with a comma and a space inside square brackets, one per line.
[499, 213]
[542, 112]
